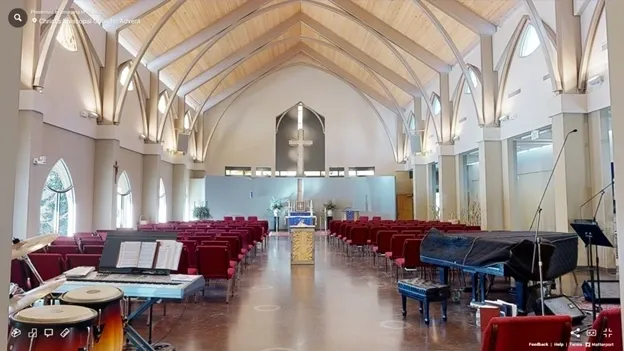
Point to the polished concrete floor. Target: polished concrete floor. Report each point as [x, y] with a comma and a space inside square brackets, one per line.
[339, 304]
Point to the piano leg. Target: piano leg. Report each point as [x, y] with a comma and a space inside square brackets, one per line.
[444, 275]
[475, 282]
[482, 282]
[521, 296]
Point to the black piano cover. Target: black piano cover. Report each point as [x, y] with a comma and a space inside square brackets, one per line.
[516, 250]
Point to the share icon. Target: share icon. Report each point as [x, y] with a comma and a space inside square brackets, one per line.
[576, 333]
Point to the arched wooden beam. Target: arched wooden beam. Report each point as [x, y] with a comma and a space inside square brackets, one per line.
[550, 53]
[589, 43]
[136, 61]
[430, 119]
[458, 55]
[47, 46]
[459, 92]
[93, 66]
[142, 95]
[288, 65]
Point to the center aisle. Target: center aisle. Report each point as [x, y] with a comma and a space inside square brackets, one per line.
[339, 304]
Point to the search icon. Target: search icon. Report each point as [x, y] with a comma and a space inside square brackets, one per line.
[18, 18]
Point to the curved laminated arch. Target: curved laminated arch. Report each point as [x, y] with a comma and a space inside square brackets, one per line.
[458, 55]
[431, 118]
[346, 16]
[589, 44]
[59, 189]
[162, 202]
[289, 65]
[458, 93]
[124, 201]
[509, 55]
[398, 110]
[308, 108]
[138, 87]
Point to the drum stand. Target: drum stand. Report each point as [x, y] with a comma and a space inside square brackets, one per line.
[32, 268]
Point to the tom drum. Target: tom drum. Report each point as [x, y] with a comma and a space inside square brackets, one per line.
[106, 300]
[58, 328]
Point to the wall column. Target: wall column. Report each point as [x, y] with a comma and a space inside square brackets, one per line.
[28, 147]
[197, 189]
[510, 175]
[105, 184]
[11, 41]
[178, 196]
[571, 180]
[151, 185]
[615, 26]
[491, 179]
[420, 188]
[448, 182]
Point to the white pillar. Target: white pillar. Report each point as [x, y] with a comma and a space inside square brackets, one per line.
[151, 186]
[571, 176]
[420, 192]
[431, 193]
[510, 175]
[178, 196]
[615, 26]
[448, 182]
[197, 190]
[11, 43]
[491, 179]
[105, 184]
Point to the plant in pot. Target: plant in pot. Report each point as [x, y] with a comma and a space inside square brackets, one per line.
[201, 212]
[329, 208]
[276, 207]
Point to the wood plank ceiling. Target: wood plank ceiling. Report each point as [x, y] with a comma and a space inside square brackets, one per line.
[318, 26]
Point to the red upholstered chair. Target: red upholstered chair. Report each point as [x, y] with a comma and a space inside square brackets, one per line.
[78, 236]
[384, 243]
[363, 219]
[64, 240]
[93, 249]
[239, 218]
[184, 265]
[397, 245]
[19, 274]
[49, 265]
[252, 218]
[94, 240]
[85, 260]
[191, 246]
[63, 249]
[411, 257]
[228, 219]
[608, 327]
[376, 219]
[518, 333]
[213, 262]
[358, 237]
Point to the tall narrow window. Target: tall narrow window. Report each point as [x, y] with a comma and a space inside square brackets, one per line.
[300, 117]
[66, 37]
[57, 202]
[162, 102]
[187, 120]
[435, 104]
[471, 79]
[162, 203]
[124, 75]
[124, 202]
[530, 41]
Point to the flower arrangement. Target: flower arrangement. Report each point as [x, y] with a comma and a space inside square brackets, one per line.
[330, 206]
[201, 212]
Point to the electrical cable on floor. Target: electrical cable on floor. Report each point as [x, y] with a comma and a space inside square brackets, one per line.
[159, 345]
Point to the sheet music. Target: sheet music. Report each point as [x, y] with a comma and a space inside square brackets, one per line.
[129, 252]
[147, 254]
[169, 254]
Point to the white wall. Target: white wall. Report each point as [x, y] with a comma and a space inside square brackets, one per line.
[246, 135]
[534, 167]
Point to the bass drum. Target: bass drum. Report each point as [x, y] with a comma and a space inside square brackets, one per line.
[106, 300]
[46, 328]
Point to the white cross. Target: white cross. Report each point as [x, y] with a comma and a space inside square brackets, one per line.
[300, 143]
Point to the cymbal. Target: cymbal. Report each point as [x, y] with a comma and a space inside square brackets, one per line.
[31, 245]
[19, 302]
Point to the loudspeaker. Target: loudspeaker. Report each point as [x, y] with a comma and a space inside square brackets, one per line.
[560, 305]
[609, 291]
[415, 144]
[183, 142]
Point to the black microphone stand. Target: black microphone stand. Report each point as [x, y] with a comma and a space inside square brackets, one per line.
[538, 216]
[602, 192]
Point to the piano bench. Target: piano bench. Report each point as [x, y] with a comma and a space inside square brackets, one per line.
[424, 292]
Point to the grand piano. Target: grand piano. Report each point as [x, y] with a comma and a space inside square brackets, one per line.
[504, 254]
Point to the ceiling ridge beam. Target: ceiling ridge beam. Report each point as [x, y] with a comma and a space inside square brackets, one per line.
[394, 36]
[363, 57]
[131, 14]
[204, 35]
[386, 102]
[240, 54]
[228, 91]
[464, 16]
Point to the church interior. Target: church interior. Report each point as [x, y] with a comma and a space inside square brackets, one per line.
[312, 175]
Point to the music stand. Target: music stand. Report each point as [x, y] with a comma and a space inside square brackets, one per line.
[592, 235]
[112, 245]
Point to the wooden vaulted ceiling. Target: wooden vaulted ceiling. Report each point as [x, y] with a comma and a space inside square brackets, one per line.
[321, 30]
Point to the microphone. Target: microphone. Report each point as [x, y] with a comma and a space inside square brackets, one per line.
[552, 173]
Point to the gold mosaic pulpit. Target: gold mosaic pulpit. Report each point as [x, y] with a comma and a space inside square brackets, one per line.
[302, 244]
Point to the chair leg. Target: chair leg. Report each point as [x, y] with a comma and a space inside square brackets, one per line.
[230, 290]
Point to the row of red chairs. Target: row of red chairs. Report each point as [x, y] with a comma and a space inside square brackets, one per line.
[205, 224]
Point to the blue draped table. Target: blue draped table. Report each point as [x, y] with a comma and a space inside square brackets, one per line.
[295, 218]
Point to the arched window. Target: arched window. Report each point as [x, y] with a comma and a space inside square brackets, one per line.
[124, 202]
[187, 120]
[471, 79]
[162, 102]
[436, 105]
[124, 75]
[162, 203]
[57, 202]
[187, 209]
[66, 37]
[529, 42]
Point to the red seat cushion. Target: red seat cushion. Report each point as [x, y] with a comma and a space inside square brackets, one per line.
[244, 251]
[233, 264]
[399, 262]
[375, 248]
[389, 254]
[240, 257]
[368, 241]
[230, 273]
[192, 271]
[349, 241]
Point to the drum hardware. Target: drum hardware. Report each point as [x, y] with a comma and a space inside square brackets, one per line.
[21, 301]
[21, 249]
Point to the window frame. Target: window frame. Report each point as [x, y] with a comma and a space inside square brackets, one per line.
[530, 32]
[237, 171]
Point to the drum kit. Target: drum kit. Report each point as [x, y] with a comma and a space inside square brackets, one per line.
[84, 319]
